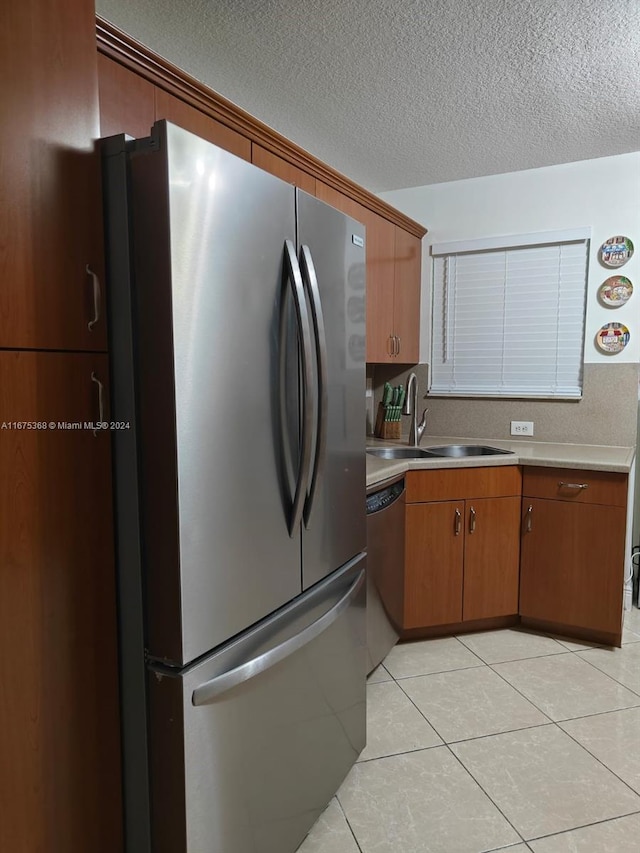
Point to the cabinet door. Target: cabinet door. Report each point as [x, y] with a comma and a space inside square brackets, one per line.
[190, 118]
[59, 733]
[380, 249]
[406, 295]
[380, 302]
[127, 100]
[434, 545]
[279, 167]
[50, 216]
[572, 564]
[491, 558]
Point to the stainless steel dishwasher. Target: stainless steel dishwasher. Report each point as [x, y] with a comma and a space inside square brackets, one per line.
[385, 567]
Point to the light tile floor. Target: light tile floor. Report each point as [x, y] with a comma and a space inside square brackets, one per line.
[502, 740]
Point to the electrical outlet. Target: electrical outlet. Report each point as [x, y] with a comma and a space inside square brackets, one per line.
[521, 427]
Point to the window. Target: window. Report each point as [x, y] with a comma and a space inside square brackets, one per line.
[508, 316]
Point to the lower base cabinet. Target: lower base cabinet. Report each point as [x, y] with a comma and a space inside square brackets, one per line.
[573, 543]
[461, 555]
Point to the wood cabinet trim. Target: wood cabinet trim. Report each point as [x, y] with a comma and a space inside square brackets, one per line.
[117, 45]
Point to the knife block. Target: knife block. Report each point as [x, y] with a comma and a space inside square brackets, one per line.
[386, 429]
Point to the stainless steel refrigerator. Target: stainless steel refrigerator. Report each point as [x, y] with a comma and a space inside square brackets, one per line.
[236, 314]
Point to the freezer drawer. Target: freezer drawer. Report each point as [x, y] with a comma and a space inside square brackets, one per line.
[251, 744]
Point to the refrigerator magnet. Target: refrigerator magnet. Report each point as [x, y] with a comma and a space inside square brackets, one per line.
[615, 291]
[612, 338]
[615, 251]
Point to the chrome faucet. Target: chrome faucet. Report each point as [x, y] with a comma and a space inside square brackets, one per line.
[416, 429]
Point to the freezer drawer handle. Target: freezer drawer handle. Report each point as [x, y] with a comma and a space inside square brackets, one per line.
[208, 692]
[310, 280]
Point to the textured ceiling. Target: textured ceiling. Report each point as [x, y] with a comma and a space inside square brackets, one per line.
[411, 92]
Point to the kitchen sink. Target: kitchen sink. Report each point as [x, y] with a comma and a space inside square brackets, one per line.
[400, 452]
[458, 451]
[461, 450]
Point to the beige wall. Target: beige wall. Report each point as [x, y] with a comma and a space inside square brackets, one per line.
[607, 413]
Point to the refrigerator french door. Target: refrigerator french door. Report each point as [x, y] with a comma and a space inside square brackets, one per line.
[237, 362]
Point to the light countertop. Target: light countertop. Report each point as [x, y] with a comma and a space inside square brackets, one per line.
[593, 457]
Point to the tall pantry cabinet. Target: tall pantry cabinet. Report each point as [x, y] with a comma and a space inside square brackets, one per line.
[59, 738]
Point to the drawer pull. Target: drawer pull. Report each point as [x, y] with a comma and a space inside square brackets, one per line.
[458, 523]
[573, 485]
[528, 519]
[98, 426]
[472, 520]
[97, 297]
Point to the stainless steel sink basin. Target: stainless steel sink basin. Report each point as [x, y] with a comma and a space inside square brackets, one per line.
[400, 452]
[462, 450]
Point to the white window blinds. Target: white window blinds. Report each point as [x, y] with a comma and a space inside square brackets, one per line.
[509, 322]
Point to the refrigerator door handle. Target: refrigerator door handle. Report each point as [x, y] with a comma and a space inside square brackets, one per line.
[211, 690]
[310, 280]
[294, 277]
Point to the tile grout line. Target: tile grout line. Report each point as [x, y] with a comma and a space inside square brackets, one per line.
[586, 748]
[491, 800]
[348, 823]
[584, 826]
[630, 689]
[465, 769]
[551, 722]
[479, 737]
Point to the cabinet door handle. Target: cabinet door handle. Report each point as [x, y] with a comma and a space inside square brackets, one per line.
[97, 298]
[528, 519]
[390, 345]
[398, 340]
[472, 520]
[573, 485]
[458, 522]
[95, 379]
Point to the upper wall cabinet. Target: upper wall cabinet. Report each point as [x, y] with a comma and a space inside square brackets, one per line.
[184, 115]
[50, 218]
[281, 168]
[393, 283]
[130, 104]
[393, 293]
[406, 297]
[127, 100]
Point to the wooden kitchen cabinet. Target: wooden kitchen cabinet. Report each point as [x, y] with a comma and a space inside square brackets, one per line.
[461, 555]
[393, 282]
[59, 721]
[406, 297]
[127, 100]
[177, 111]
[130, 104]
[51, 211]
[572, 551]
[281, 168]
[434, 557]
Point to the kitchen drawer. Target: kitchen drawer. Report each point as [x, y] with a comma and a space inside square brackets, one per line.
[444, 484]
[563, 484]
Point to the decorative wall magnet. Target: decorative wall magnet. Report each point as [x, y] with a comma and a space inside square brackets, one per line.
[615, 291]
[616, 251]
[612, 338]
